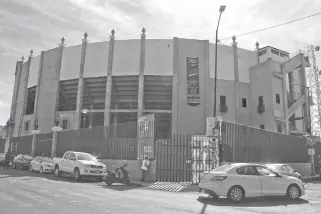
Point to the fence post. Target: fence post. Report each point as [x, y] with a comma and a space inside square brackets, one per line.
[55, 130]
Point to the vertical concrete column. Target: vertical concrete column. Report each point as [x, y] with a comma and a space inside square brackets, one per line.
[35, 110]
[54, 143]
[91, 115]
[33, 145]
[257, 50]
[141, 74]
[80, 89]
[61, 49]
[109, 79]
[208, 110]
[236, 80]
[285, 100]
[13, 105]
[26, 81]
[175, 85]
[19, 106]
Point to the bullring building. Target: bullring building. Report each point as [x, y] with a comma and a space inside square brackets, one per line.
[116, 81]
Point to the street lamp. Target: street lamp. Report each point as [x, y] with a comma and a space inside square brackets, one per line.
[220, 146]
[85, 111]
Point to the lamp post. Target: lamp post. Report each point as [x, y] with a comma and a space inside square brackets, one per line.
[220, 146]
[85, 111]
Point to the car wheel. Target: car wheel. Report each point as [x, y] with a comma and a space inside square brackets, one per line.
[236, 194]
[293, 192]
[77, 174]
[57, 171]
[41, 170]
[30, 168]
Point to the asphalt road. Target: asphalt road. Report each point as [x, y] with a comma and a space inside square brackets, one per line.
[30, 193]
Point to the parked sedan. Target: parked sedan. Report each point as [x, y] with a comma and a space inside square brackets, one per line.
[238, 180]
[2, 158]
[22, 161]
[284, 169]
[41, 164]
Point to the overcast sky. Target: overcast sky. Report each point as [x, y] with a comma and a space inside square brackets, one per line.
[39, 25]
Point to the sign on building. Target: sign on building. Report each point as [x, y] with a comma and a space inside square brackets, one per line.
[193, 89]
[145, 136]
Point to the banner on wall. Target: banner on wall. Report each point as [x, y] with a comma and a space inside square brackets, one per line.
[145, 136]
[193, 90]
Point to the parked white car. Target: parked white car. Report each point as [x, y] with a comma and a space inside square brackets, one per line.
[238, 180]
[41, 164]
[79, 164]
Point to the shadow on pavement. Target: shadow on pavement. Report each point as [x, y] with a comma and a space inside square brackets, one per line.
[17, 173]
[252, 202]
[121, 187]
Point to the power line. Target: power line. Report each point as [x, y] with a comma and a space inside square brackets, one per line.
[275, 26]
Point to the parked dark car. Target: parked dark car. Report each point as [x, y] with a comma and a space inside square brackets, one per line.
[284, 169]
[22, 161]
[2, 158]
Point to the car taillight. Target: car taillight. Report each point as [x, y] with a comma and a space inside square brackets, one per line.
[218, 178]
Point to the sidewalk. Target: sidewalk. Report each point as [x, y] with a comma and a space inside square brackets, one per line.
[188, 187]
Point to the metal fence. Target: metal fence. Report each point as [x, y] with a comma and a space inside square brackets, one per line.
[43, 144]
[2, 144]
[248, 144]
[118, 141]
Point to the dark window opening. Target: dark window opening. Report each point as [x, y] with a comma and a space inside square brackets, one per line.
[223, 100]
[279, 125]
[65, 124]
[262, 127]
[277, 98]
[26, 128]
[261, 103]
[244, 102]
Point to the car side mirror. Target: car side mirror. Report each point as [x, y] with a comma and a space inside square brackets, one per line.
[278, 175]
[295, 171]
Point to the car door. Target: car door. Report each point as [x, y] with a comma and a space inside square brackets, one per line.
[249, 179]
[72, 162]
[272, 184]
[64, 162]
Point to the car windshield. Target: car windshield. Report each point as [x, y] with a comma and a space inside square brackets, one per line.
[27, 157]
[223, 168]
[48, 160]
[86, 157]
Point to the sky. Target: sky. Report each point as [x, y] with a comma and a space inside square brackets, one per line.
[40, 24]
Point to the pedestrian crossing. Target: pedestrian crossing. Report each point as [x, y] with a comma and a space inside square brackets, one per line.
[168, 186]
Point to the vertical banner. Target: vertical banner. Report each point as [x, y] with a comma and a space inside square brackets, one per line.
[145, 136]
[193, 91]
[214, 135]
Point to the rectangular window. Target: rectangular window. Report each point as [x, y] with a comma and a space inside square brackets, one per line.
[277, 98]
[275, 52]
[223, 100]
[26, 126]
[261, 103]
[262, 127]
[244, 102]
[64, 124]
[279, 125]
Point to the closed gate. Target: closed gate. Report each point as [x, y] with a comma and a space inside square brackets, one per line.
[174, 159]
[184, 157]
[43, 144]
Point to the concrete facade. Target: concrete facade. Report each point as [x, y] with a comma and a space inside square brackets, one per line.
[143, 72]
